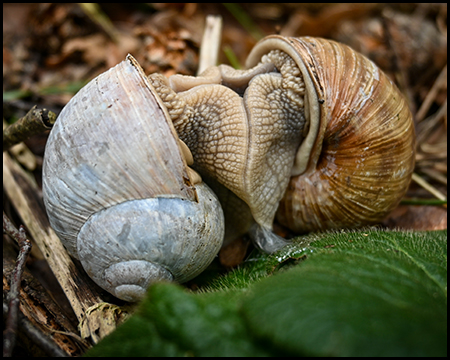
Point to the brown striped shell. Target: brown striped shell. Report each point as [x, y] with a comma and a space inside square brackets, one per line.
[356, 163]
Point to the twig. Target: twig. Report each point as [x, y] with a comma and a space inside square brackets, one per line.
[435, 174]
[430, 202]
[431, 189]
[426, 127]
[403, 78]
[209, 49]
[94, 12]
[440, 82]
[34, 122]
[10, 332]
[81, 291]
[37, 336]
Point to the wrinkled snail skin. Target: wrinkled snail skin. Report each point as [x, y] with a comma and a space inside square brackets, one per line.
[119, 193]
[245, 141]
[313, 132]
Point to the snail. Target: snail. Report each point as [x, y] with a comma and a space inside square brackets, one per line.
[313, 133]
[118, 190]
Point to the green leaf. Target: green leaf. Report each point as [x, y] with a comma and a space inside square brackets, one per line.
[173, 322]
[361, 294]
[371, 293]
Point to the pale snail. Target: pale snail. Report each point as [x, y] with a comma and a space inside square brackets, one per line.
[119, 193]
[313, 134]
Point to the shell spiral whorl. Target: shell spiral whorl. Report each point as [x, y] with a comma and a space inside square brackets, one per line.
[362, 159]
[118, 191]
[150, 240]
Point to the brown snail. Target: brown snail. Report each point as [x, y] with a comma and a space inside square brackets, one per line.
[119, 193]
[313, 133]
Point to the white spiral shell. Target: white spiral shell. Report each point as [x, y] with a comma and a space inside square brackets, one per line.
[118, 191]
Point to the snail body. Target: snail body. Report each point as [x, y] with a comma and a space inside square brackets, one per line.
[119, 193]
[313, 133]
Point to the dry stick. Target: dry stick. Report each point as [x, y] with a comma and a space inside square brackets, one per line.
[425, 128]
[440, 83]
[209, 49]
[387, 19]
[34, 122]
[39, 310]
[37, 337]
[10, 332]
[435, 175]
[79, 289]
[430, 188]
